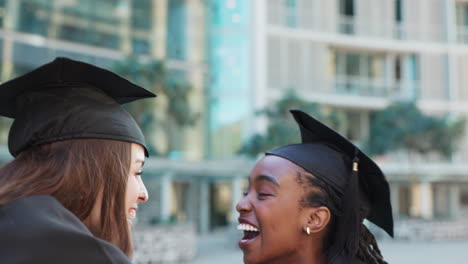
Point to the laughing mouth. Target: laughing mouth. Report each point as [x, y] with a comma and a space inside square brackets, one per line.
[250, 232]
[131, 214]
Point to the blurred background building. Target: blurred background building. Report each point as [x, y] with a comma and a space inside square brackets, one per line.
[227, 59]
[360, 56]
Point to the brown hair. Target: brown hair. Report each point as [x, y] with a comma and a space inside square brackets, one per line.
[75, 172]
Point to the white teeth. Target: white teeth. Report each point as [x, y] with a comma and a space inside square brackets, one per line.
[131, 214]
[247, 227]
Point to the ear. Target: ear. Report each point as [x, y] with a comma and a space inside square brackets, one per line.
[317, 219]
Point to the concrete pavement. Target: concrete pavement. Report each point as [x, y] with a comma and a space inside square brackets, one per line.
[216, 248]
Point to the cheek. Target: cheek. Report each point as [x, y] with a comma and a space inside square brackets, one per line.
[132, 190]
[280, 224]
[278, 219]
[279, 236]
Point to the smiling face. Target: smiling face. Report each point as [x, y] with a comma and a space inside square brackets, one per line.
[136, 191]
[271, 214]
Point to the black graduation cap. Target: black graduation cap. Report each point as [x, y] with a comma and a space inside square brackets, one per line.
[68, 99]
[333, 159]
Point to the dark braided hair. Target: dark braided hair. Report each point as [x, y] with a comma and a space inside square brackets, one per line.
[322, 194]
[368, 250]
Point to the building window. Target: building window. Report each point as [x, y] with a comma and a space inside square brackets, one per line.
[355, 127]
[405, 76]
[291, 13]
[141, 46]
[142, 14]
[462, 22]
[464, 198]
[176, 26]
[34, 16]
[375, 74]
[404, 201]
[398, 11]
[2, 13]
[346, 19]
[89, 22]
[399, 30]
[398, 68]
[357, 73]
[346, 7]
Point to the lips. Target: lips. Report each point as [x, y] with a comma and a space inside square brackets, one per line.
[251, 232]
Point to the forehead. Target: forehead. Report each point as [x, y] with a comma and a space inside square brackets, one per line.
[138, 152]
[279, 168]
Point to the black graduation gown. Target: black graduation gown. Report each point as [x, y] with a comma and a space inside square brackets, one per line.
[38, 229]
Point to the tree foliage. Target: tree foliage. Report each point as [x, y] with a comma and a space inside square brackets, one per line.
[399, 126]
[155, 76]
[282, 129]
[403, 126]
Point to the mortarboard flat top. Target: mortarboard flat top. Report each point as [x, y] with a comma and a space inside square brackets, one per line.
[327, 155]
[67, 99]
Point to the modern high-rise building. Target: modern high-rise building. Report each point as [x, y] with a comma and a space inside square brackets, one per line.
[203, 43]
[33, 32]
[106, 33]
[229, 95]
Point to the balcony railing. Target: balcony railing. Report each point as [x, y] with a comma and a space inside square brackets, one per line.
[352, 86]
[462, 34]
[364, 86]
[316, 21]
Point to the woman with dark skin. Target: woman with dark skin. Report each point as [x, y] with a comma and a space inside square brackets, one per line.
[306, 202]
[74, 186]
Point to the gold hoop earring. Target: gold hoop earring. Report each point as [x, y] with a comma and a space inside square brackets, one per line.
[308, 231]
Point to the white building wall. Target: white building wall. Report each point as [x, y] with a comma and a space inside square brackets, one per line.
[329, 15]
[319, 72]
[432, 77]
[423, 20]
[462, 68]
[375, 18]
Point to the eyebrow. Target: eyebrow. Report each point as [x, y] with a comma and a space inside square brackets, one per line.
[268, 179]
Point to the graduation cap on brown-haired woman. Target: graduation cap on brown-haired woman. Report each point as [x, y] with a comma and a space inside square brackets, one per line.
[340, 164]
[67, 99]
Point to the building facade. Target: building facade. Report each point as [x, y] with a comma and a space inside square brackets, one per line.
[361, 55]
[33, 32]
[196, 42]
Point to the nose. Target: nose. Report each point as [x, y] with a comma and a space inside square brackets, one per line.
[244, 206]
[144, 196]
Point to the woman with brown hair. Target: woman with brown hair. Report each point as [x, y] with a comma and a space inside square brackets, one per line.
[71, 192]
[306, 202]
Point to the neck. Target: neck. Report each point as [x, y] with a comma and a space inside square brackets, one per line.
[310, 253]
[300, 259]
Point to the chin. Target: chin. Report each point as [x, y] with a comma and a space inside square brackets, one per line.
[248, 260]
[253, 259]
[130, 223]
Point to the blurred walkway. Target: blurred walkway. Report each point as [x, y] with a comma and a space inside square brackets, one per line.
[215, 248]
[447, 252]
[218, 248]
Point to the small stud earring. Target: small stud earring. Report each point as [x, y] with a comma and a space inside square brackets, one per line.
[308, 231]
